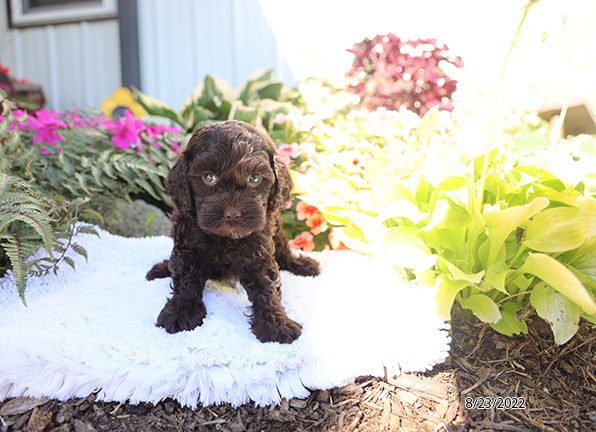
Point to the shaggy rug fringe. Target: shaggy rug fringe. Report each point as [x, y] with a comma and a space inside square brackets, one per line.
[93, 329]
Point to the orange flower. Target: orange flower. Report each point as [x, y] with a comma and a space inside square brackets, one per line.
[317, 223]
[303, 241]
[335, 242]
[305, 211]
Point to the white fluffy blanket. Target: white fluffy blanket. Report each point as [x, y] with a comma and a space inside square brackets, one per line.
[93, 329]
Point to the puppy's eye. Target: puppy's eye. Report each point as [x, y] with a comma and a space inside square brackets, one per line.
[254, 178]
[209, 178]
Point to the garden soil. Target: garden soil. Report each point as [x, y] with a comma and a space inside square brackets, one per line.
[557, 383]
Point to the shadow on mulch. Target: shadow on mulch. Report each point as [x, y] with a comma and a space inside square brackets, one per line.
[554, 387]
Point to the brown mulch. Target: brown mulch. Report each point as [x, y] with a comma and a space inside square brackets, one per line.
[557, 384]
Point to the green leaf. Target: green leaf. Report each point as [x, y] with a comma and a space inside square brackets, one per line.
[483, 307]
[560, 278]
[557, 310]
[510, 325]
[402, 208]
[502, 223]
[154, 106]
[69, 261]
[423, 193]
[448, 184]
[445, 296]
[372, 229]
[147, 223]
[271, 91]
[458, 274]
[584, 258]
[402, 247]
[562, 228]
[390, 188]
[448, 214]
[554, 195]
[79, 249]
[496, 275]
[247, 91]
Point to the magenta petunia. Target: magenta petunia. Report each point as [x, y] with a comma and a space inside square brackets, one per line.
[46, 125]
[125, 131]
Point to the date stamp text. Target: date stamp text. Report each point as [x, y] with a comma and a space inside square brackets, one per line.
[499, 403]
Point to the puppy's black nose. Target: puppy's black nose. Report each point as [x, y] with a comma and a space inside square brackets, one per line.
[232, 214]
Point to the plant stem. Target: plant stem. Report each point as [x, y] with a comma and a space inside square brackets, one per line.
[520, 251]
[496, 101]
[513, 296]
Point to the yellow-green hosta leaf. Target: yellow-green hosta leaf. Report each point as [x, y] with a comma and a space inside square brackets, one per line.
[390, 188]
[510, 325]
[520, 282]
[560, 278]
[353, 238]
[557, 310]
[423, 193]
[322, 201]
[501, 223]
[373, 230]
[448, 214]
[496, 275]
[561, 229]
[402, 208]
[425, 277]
[554, 195]
[458, 274]
[483, 307]
[334, 214]
[584, 259]
[445, 296]
[449, 184]
[402, 247]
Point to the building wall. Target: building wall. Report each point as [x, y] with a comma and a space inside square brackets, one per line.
[179, 42]
[76, 64]
[179, 45]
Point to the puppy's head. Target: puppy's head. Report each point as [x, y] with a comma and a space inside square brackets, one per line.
[229, 178]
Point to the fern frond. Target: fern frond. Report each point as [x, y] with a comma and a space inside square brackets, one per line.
[17, 250]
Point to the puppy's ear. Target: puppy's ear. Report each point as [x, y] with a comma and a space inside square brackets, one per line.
[283, 184]
[178, 186]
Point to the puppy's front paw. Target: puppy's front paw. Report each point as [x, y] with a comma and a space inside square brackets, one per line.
[304, 266]
[284, 331]
[176, 317]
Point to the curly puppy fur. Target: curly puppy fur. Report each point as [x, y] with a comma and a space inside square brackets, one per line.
[228, 187]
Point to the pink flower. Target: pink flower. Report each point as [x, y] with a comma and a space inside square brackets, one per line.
[154, 132]
[305, 211]
[125, 131]
[280, 118]
[290, 150]
[45, 124]
[317, 223]
[303, 241]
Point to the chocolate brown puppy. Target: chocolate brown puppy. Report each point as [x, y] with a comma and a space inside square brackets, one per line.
[228, 187]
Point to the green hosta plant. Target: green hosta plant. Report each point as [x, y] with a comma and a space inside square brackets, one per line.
[257, 101]
[528, 243]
